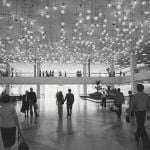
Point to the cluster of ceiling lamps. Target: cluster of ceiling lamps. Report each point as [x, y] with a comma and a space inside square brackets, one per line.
[76, 32]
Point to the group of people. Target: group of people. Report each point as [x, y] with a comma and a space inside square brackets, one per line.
[29, 103]
[69, 98]
[139, 105]
[50, 73]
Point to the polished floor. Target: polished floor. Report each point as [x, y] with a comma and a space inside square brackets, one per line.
[89, 129]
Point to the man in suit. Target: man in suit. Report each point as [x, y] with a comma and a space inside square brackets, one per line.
[32, 102]
[70, 100]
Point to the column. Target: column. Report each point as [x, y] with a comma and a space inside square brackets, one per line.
[34, 67]
[38, 91]
[89, 68]
[7, 88]
[38, 69]
[84, 75]
[132, 69]
[112, 66]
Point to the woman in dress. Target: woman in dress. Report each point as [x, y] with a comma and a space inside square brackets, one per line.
[59, 103]
[25, 104]
[9, 122]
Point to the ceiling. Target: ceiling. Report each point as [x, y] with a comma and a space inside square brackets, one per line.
[73, 31]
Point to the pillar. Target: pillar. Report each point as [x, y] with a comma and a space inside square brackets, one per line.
[34, 67]
[7, 88]
[38, 91]
[38, 69]
[112, 67]
[84, 85]
[89, 68]
[84, 70]
[132, 69]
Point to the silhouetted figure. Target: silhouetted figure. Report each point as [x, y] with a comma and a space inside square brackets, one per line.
[46, 73]
[65, 74]
[140, 104]
[25, 104]
[130, 99]
[32, 102]
[9, 122]
[60, 73]
[103, 101]
[59, 103]
[119, 100]
[120, 73]
[43, 73]
[40, 73]
[70, 100]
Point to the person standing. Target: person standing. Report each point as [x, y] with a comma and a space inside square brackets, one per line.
[70, 100]
[130, 99]
[140, 104]
[25, 104]
[9, 122]
[104, 100]
[59, 103]
[119, 100]
[32, 102]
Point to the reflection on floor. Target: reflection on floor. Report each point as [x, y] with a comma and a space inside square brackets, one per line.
[89, 129]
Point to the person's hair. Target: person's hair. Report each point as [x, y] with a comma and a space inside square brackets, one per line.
[129, 92]
[118, 89]
[60, 92]
[31, 89]
[140, 87]
[5, 98]
[69, 90]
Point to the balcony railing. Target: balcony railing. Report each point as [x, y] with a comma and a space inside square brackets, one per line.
[31, 74]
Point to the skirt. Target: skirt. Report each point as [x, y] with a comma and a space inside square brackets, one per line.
[8, 136]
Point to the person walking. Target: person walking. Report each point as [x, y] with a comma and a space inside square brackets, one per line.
[140, 104]
[25, 104]
[70, 100]
[59, 103]
[119, 100]
[9, 122]
[103, 101]
[130, 99]
[32, 102]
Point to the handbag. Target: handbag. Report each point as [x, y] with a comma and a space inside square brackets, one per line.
[22, 145]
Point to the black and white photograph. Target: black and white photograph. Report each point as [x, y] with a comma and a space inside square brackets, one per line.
[74, 74]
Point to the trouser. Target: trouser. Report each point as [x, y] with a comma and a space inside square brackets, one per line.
[31, 110]
[119, 111]
[69, 110]
[141, 132]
